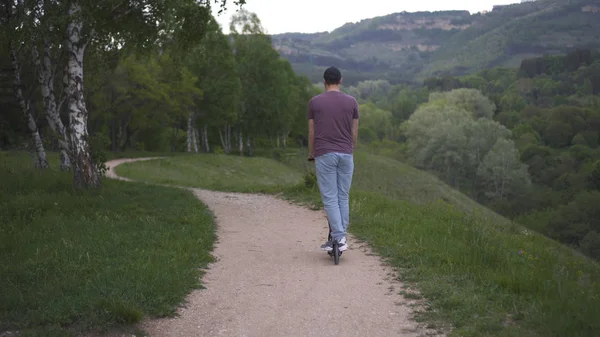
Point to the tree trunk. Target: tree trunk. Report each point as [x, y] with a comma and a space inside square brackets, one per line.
[228, 138]
[173, 138]
[278, 140]
[241, 141]
[284, 139]
[195, 137]
[85, 173]
[190, 134]
[41, 161]
[223, 144]
[249, 145]
[113, 135]
[46, 81]
[205, 138]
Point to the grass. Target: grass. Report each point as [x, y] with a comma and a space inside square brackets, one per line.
[215, 172]
[77, 261]
[486, 280]
[96, 260]
[475, 269]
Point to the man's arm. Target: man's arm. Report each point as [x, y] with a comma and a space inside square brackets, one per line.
[311, 138]
[355, 131]
[355, 117]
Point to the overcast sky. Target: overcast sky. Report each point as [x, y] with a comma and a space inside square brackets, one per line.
[309, 16]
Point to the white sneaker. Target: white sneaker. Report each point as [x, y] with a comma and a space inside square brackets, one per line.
[343, 244]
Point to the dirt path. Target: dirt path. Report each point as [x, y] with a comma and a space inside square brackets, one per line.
[271, 279]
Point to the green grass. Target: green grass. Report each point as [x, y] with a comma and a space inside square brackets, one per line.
[75, 261]
[475, 269]
[214, 172]
[81, 262]
[486, 280]
[394, 179]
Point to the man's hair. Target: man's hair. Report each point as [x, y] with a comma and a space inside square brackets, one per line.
[332, 75]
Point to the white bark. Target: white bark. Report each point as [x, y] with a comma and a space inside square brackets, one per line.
[190, 134]
[46, 81]
[41, 160]
[195, 137]
[228, 138]
[205, 138]
[249, 145]
[241, 140]
[285, 134]
[223, 145]
[85, 173]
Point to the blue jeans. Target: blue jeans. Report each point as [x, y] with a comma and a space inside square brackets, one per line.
[334, 177]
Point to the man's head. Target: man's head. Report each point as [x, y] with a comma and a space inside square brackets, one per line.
[332, 77]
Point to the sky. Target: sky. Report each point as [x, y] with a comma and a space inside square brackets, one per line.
[310, 16]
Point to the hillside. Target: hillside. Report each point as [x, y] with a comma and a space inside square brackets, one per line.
[486, 278]
[402, 47]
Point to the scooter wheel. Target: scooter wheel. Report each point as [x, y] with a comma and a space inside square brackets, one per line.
[336, 254]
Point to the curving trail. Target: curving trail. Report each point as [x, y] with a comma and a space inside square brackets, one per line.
[271, 279]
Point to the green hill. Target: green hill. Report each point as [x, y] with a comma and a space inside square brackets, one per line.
[402, 47]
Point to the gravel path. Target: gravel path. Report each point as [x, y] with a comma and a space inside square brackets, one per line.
[271, 279]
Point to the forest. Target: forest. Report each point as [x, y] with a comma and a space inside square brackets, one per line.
[180, 86]
[523, 141]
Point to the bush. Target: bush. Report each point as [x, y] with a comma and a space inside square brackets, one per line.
[310, 179]
[99, 142]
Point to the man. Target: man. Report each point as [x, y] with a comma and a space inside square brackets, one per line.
[332, 136]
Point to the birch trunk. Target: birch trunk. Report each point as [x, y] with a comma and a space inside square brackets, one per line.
[190, 134]
[223, 144]
[241, 141]
[195, 135]
[205, 138]
[249, 145]
[85, 173]
[285, 140]
[228, 138]
[46, 81]
[41, 160]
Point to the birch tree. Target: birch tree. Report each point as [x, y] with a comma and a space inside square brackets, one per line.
[137, 25]
[41, 160]
[45, 41]
[259, 70]
[12, 22]
[213, 63]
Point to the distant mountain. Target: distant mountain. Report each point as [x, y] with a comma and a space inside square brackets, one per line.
[406, 47]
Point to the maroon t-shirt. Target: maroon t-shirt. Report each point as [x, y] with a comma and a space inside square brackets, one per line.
[333, 112]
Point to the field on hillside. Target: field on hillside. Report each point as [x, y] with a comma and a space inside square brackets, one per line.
[214, 172]
[487, 280]
[74, 261]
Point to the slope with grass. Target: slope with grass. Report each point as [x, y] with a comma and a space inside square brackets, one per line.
[79, 261]
[486, 278]
[214, 172]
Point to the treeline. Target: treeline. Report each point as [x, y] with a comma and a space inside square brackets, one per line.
[180, 86]
[523, 141]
